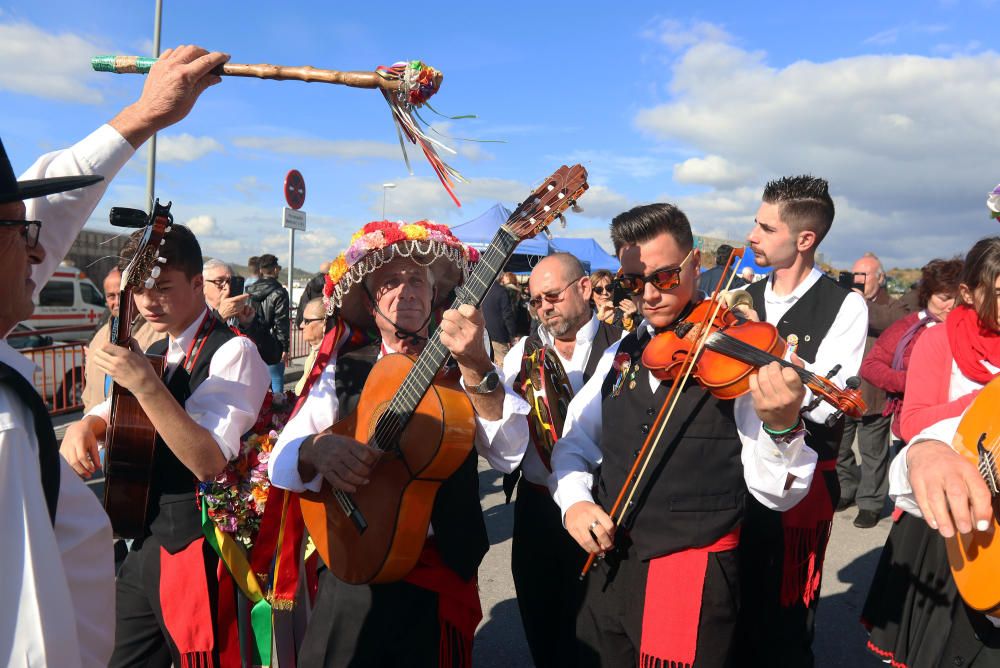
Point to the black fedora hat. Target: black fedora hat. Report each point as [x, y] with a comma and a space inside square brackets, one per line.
[12, 190]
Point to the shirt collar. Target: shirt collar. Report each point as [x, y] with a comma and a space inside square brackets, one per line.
[185, 338]
[17, 361]
[796, 294]
[583, 335]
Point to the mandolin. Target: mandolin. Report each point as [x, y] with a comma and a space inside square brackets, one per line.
[422, 423]
[975, 557]
[131, 439]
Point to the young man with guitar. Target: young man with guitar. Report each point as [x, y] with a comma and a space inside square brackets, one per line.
[57, 553]
[666, 590]
[545, 560]
[399, 278]
[829, 325]
[209, 396]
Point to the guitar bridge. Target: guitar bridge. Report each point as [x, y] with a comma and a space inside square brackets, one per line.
[988, 466]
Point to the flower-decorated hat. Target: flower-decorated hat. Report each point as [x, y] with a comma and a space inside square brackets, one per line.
[379, 242]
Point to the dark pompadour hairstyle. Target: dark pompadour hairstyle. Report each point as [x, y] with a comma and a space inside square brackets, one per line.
[982, 266]
[805, 203]
[939, 276]
[180, 248]
[642, 223]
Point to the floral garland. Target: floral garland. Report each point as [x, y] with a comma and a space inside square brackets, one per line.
[378, 242]
[993, 203]
[237, 497]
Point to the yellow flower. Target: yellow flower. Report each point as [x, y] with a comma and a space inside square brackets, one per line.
[414, 232]
[338, 268]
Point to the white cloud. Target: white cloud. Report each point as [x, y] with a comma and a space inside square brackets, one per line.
[184, 147]
[358, 149]
[679, 35]
[47, 65]
[251, 185]
[604, 164]
[909, 142]
[712, 171]
[201, 225]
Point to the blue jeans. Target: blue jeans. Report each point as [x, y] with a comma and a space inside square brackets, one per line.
[277, 377]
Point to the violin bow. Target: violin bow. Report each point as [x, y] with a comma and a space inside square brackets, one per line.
[406, 86]
[631, 485]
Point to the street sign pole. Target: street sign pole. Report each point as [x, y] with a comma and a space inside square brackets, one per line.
[292, 218]
[291, 263]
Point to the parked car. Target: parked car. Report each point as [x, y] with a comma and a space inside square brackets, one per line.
[59, 377]
[69, 299]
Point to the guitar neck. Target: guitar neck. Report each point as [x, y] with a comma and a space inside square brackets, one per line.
[121, 326]
[435, 354]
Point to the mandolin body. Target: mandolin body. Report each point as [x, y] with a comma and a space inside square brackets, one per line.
[128, 463]
[397, 502]
[975, 557]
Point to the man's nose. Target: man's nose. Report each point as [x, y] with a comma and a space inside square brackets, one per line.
[36, 255]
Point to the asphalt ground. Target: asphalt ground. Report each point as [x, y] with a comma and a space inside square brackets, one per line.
[840, 639]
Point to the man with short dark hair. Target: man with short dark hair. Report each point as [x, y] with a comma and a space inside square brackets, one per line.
[271, 300]
[824, 325]
[210, 395]
[313, 290]
[57, 550]
[666, 591]
[710, 277]
[253, 268]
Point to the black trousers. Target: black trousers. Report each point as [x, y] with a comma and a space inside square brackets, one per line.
[609, 627]
[141, 638]
[385, 625]
[867, 484]
[546, 564]
[972, 642]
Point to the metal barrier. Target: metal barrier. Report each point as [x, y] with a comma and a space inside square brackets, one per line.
[298, 346]
[60, 375]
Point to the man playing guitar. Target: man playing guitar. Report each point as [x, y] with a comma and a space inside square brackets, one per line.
[213, 388]
[399, 276]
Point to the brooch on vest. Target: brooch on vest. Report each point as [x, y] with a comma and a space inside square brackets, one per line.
[626, 369]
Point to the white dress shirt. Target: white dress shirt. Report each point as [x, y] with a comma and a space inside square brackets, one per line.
[61, 579]
[766, 464]
[227, 402]
[844, 344]
[321, 410]
[532, 467]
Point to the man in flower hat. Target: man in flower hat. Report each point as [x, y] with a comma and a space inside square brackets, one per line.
[393, 280]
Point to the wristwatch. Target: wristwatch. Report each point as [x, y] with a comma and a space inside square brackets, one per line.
[490, 382]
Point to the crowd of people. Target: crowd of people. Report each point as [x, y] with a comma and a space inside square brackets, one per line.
[714, 559]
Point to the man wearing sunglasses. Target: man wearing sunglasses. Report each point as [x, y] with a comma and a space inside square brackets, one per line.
[57, 549]
[665, 592]
[236, 311]
[828, 325]
[549, 591]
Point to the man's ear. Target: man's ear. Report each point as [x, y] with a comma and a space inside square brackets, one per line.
[806, 239]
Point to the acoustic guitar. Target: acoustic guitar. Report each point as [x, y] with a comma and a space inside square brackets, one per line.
[421, 422]
[131, 439]
[975, 557]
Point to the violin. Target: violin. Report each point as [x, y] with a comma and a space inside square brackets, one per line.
[733, 348]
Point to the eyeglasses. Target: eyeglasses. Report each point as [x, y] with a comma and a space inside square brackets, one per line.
[309, 321]
[220, 282]
[30, 231]
[601, 289]
[663, 280]
[551, 297]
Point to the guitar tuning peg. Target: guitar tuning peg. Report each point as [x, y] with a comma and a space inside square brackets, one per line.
[161, 259]
[149, 283]
[562, 221]
[155, 273]
[548, 233]
[577, 208]
[167, 229]
[163, 241]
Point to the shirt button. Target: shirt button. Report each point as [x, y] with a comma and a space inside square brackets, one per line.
[635, 453]
[644, 427]
[649, 411]
[958, 661]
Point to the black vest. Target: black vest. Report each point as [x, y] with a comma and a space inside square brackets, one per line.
[173, 511]
[693, 492]
[48, 449]
[810, 318]
[457, 517]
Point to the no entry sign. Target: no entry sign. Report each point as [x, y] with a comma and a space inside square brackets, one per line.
[295, 189]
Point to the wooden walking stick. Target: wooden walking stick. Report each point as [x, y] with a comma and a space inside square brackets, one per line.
[406, 86]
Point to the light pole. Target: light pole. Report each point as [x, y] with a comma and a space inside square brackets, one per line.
[151, 163]
[385, 187]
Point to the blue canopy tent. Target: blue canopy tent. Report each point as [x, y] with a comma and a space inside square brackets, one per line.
[479, 232]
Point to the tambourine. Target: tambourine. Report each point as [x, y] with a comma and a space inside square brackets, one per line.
[548, 391]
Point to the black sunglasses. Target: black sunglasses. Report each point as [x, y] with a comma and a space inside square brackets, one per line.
[600, 289]
[309, 321]
[30, 231]
[663, 280]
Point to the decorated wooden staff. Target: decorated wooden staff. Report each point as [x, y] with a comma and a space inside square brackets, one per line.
[406, 86]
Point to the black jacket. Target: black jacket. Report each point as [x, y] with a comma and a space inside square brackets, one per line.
[271, 301]
[257, 331]
[498, 314]
[314, 289]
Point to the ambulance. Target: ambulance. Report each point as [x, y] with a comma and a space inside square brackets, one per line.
[69, 299]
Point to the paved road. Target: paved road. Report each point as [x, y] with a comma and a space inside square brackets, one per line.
[840, 639]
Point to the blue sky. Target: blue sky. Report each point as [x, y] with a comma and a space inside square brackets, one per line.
[897, 104]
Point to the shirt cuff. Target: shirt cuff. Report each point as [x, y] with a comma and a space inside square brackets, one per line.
[284, 469]
[101, 410]
[513, 406]
[773, 463]
[900, 490]
[569, 489]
